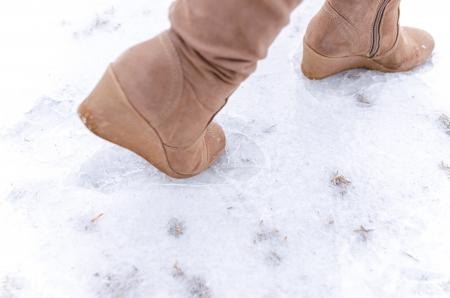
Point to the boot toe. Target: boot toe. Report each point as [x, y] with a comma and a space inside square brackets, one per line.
[414, 47]
[423, 42]
[215, 142]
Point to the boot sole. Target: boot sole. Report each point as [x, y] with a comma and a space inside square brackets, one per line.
[108, 114]
[316, 66]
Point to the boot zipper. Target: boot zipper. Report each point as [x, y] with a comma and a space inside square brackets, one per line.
[376, 36]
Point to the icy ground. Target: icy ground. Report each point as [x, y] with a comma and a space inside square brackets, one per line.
[335, 189]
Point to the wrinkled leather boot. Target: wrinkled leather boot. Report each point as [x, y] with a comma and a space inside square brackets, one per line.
[159, 98]
[348, 34]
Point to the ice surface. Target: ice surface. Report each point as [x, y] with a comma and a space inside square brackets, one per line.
[337, 188]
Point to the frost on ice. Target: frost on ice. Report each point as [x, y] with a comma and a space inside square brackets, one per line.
[333, 188]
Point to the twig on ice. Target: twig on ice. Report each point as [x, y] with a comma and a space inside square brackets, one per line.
[95, 219]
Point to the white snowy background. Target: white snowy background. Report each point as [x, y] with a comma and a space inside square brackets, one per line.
[336, 189]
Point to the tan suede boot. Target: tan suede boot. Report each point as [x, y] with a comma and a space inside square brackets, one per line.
[159, 98]
[348, 34]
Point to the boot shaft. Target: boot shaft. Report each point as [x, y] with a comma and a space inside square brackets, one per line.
[181, 79]
[356, 27]
[232, 35]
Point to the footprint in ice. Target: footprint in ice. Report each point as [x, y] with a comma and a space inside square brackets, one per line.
[114, 167]
[45, 133]
[243, 159]
[357, 84]
[46, 116]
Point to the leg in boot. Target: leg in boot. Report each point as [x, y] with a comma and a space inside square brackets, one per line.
[348, 34]
[159, 98]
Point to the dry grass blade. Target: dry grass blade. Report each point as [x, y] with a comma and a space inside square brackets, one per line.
[95, 219]
[363, 232]
[177, 271]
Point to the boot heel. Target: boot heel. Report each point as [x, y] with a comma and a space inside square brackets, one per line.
[317, 67]
[108, 114]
